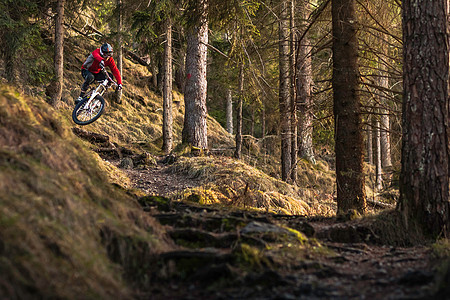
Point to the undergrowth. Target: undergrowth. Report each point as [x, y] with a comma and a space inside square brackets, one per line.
[65, 230]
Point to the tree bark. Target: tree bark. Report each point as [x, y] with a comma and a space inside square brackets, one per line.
[304, 99]
[378, 168]
[59, 55]
[263, 122]
[238, 150]
[369, 140]
[195, 130]
[385, 124]
[293, 92]
[424, 179]
[229, 112]
[284, 91]
[385, 139]
[167, 91]
[348, 132]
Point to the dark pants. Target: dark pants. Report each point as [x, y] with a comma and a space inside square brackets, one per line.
[90, 77]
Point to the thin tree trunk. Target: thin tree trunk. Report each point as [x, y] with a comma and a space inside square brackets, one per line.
[284, 91]
[385, 140]
[59, 54]
[229, 112]
[348, 132]
[304, 99]
[195, 130]
[386, 161]
[369, 140]
[293, 106]
[238, 150]
[119, 46]
[385, 126]
[167, 91]
[378, 171]
[154, 70]
[424, 179]
[263, 122]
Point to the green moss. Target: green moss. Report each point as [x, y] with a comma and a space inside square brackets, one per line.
[441, 249]
[162, 203]
[300, 236]
[250, 257]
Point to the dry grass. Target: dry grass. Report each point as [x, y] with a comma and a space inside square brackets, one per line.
[65, 230]
[138, 121]
[232, 182]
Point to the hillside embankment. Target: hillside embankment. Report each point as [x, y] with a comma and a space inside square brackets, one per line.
[112, 218]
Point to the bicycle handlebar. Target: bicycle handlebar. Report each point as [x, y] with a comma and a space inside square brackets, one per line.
[109, 77]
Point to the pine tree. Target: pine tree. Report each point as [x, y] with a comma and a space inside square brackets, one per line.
[424, 182]
[347, 114]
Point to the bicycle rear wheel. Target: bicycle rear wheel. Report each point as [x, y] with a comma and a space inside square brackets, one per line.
[85, 113]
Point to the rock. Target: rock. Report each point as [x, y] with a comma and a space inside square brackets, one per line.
[126, 163]
[257, 227]
[145, 159]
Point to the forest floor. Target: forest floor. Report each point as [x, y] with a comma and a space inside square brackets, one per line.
[236, 254]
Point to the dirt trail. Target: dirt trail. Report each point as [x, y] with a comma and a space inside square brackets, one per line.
[218, 242]
[159, 181]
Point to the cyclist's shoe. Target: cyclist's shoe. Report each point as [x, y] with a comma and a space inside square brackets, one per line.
[78, 100]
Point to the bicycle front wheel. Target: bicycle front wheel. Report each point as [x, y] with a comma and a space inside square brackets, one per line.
[87, 112]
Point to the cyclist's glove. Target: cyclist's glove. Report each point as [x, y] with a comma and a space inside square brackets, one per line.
[102, 64]
[119, 87]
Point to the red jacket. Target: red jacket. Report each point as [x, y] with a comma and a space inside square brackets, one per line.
[92, 64]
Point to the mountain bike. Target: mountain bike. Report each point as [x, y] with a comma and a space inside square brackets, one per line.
[92, 105]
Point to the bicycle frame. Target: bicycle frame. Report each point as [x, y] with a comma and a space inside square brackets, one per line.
[102, 87]
[92, 106]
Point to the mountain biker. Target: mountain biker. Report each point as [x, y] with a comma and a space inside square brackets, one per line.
[91, 68]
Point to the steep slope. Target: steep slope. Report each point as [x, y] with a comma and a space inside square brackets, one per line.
[65, 230]
[138, 119]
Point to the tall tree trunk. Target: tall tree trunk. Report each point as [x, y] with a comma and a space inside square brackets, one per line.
[284, 91]
[424, 179]
[59, 55]
[293, 106]
[348, 132]
[304, 99]
[263, 122]
[195, 130]
[385, 141]
[238, 150]
[229, 112]
[119, 45]
[167, 91]
[154, 70]
[378, 168]
[369, 140]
